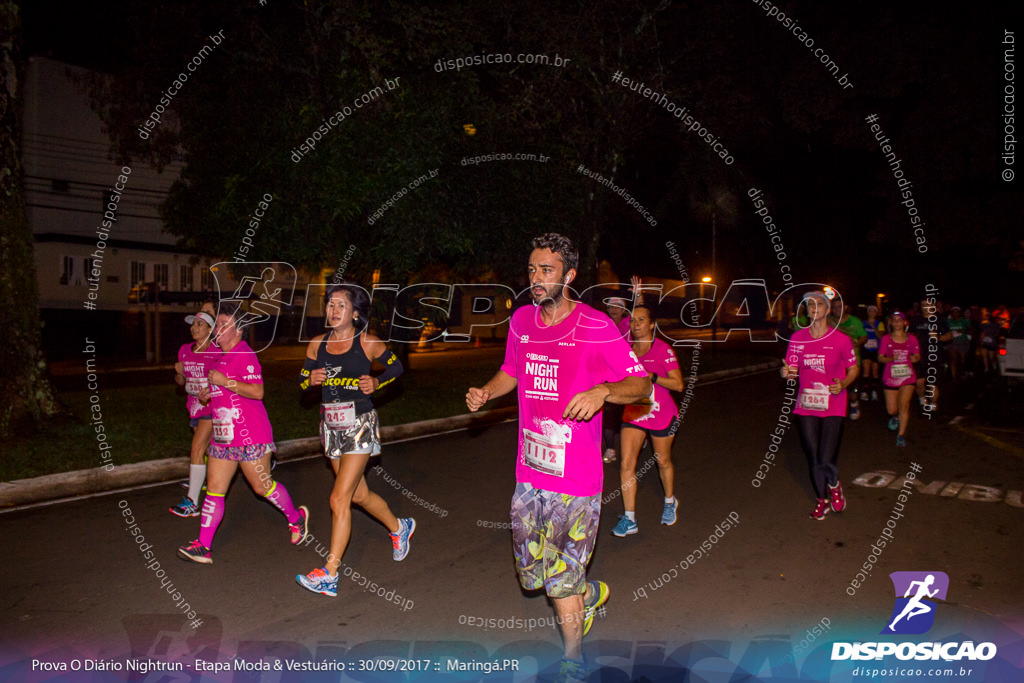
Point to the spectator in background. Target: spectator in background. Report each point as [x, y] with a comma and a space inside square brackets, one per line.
[960, 344]
[874, 329]
[852, 327]
[991, 329]
[931, 330]
[611, 418]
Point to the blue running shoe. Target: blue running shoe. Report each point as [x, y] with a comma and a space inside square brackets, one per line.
[400, 539]
[668, 514]
[186, 508]
[625, 527]
[319, 581]
[894, 423]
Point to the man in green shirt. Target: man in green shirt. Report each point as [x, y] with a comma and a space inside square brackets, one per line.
[853, 328]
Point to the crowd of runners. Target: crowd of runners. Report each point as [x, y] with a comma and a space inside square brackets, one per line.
[591, 386]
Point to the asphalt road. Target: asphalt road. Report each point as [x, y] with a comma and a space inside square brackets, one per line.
[75, 585]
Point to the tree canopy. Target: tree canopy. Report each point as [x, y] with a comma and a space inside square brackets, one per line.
[795, 131]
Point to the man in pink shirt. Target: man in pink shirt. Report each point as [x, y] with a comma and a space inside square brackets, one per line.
[566, 360]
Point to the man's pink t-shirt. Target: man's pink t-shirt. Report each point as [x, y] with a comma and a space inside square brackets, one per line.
[551, 365]
[820, 362]
[239, 421]
[660, 359]
[900, 370]
[195, 368]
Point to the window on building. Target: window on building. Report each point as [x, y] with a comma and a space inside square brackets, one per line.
[206, 278]
[185, 278]
[161, 274]
[67, 269]
[138, 273]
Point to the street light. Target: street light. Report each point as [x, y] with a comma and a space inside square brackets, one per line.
[714, 323]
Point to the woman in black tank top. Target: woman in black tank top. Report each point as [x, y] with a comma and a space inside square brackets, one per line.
[339, 362]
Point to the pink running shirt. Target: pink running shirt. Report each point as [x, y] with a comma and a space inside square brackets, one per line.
[551, 365]
[196, 367]
[820, 362]
[239, 421]
[900, 371]
[623, 326]
[660, 359]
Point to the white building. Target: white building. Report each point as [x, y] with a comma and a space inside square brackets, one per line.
[97, 229]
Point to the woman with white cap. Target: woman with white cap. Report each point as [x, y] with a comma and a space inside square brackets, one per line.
[195, 360]
[825, 363]
[899, 351]
[242, 437]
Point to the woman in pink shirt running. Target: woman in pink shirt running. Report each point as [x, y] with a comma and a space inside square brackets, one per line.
[242, 438]
[899, 351]
[824, 361]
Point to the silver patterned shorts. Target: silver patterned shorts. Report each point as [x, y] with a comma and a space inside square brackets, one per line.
[362, 437]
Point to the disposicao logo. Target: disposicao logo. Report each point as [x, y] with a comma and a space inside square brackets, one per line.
[914, 611]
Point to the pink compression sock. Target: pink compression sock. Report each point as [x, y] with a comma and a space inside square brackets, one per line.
[278, 496]
[213, 513]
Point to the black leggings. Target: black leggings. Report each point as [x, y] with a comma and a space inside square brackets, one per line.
[820, 438]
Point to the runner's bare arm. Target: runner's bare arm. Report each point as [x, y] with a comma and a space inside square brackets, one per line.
[586, 404]
[499, 385]
[310, 375]
[243, 389]
[674, 381]
[851, 375]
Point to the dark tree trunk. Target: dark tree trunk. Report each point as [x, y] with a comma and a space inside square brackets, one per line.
[26, 391]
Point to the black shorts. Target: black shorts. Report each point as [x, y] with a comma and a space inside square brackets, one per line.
[659, 433]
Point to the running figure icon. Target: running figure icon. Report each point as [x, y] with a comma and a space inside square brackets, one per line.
[915, 607]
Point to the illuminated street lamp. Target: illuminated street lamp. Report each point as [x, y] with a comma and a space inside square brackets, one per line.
[714, 322]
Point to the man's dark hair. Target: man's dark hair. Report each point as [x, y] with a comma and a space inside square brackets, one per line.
[561, 245]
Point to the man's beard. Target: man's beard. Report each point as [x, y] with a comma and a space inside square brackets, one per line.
[547, 299]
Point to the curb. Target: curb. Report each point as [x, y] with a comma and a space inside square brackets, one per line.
[52, 487]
